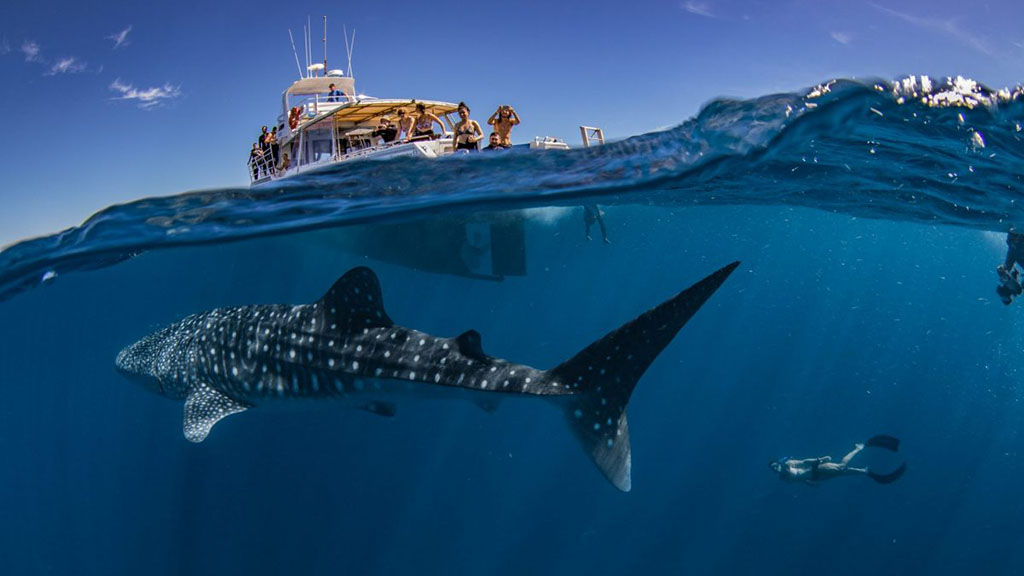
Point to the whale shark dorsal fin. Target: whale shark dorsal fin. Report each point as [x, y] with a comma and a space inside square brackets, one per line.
[355, 301]
[470, 345]
[204, 407]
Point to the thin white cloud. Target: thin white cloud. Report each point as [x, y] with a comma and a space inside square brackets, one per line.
[699, 8]
[949, 27]
[31, 51]
[120, 38]
[69, 65]
[841, 37]
[146, 98]
[5, 47]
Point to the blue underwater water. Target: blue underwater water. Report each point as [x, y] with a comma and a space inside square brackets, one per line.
[869, 226]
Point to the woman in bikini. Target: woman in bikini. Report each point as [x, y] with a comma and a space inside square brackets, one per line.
[503, 119]
[423, 128]
[404, 125]
[468, 133]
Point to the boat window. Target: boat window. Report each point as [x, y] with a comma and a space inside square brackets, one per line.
[317, 143]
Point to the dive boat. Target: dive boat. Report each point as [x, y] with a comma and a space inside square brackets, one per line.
[317, 130]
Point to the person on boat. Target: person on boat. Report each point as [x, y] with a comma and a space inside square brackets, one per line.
[334, 95]
[385, 131]
[273, 146]
[468, 133]
[285, 163]
[262, 140]
[815, 470]
[1009, 276]
[503, 119]
[494, 143]
[423, 125]
[404, 125]
[255, 158]
[592, 213]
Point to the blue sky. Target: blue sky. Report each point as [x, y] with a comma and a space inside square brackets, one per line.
[108, 103]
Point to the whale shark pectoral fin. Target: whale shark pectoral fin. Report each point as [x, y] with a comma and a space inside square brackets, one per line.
[385, 409]
[204, 407]
[470, 345]
[355, 301]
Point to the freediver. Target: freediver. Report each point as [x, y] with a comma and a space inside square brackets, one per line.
[1009, 275]
[814, 470]
[592, 213]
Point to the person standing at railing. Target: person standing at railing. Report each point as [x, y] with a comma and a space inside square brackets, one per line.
[273, 146]
[503, 119]
[404, 125]
[423, 125]
[255, 156]
[335, 95]
[468, 133]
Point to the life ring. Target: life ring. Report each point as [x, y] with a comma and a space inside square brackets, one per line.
[293, 117]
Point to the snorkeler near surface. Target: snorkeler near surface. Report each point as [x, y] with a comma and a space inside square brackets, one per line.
[814, 470]
[592, 213]
[1009, 276]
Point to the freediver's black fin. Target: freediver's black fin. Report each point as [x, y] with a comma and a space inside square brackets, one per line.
[883, 441]
[890, 477]
[605, 373]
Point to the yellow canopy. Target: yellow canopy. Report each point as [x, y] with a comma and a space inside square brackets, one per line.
[368, 110]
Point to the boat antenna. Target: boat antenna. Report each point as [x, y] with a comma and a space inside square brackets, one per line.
[305, 50]
[349, 47]
[325, 44]
[309, 42]
[295, 52]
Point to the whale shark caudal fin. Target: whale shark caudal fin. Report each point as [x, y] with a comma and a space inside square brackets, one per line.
[607, 371]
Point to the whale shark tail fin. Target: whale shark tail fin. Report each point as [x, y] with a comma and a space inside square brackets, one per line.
[604, 374]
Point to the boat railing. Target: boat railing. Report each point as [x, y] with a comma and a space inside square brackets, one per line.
[262, 167]
[317, 104]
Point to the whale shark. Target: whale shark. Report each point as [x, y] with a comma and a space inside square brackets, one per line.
[345, 348]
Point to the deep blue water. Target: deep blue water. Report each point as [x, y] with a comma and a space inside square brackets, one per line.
[864, 304]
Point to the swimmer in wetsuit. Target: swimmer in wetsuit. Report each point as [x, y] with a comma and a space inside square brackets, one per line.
[815, 470]
[1009, 275]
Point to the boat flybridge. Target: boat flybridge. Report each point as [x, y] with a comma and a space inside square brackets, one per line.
[317, 130]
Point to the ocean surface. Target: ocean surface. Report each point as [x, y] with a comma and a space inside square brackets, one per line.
[869, 218]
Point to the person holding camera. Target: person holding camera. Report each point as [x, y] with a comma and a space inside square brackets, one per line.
[503, 119]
